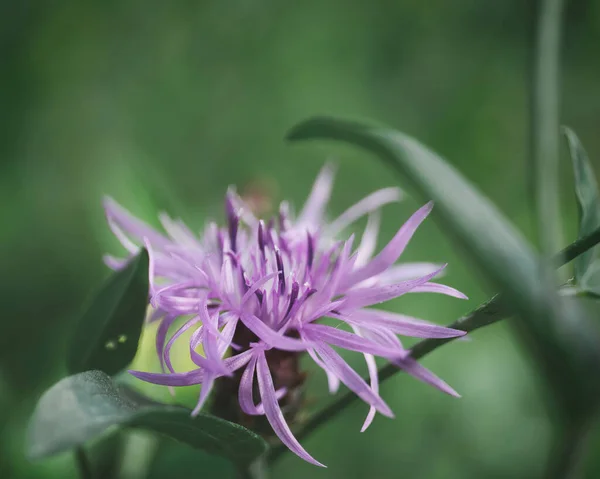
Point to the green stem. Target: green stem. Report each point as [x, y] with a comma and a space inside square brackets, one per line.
[545, 135]
[487, 313]
[139, 452]
[577, 248]
[256, 470]
[83, 464]
[566, 455]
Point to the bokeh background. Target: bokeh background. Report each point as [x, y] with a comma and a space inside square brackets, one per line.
[162, 105]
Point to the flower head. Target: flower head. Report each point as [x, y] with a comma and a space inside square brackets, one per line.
[254, 294]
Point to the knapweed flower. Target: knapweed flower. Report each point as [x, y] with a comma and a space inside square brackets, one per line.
[253, 295]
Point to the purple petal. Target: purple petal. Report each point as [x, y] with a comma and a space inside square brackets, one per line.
[233, 220]
[374, 378]
[406, 271]
[227, 335]
[333, 381]
[323, 310]
[195, 341]
[227, 282]
[122, 237]
[351, 342]
[255, 286]
[274, 414]
[341, 267]
[174, 288]
[245, 391]
[372, 368]
[399, 324]
[438, 288]
[305, 296]
[382, 336]
[315, 205]
[368, 241]
[242, 208]
[178, 231]
[209, 363]
[279, 394]
[171, 379]
[178, 333]
[368, 204]
[207, 385]
[132, 226]
[239, 360]
[161, 337]
[272, 338]
[212, 340]
[114, 263]
[191, 377]
[178, 304]
[392, 251]
[155, 315]
[284, 220]
[362, 297]
[413, 368]
[351, 378]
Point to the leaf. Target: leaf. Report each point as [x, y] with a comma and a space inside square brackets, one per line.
[469, 215]
[588, 201]
[175, 462]
[556, 330]
[590, 282]
[107, 335]
[81, 407]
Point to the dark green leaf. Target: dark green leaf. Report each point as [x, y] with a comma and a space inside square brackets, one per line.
[555, 329]
[107, 335]
[172, 461]
[588, 201]
[84, 406]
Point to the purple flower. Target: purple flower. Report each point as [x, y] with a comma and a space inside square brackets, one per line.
[253, 294]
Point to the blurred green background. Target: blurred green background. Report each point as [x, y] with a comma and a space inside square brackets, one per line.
[162, 105]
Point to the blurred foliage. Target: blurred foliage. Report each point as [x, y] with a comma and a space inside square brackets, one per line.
[163, 105]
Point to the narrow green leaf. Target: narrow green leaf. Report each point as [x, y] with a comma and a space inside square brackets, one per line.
[107, 335]
[81, 407]
[588, 201]
[492, 241]
[556, 330]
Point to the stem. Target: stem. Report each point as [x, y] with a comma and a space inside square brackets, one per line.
[257, 470]
[487, 313]
[545, 124]
[139, 452]
[577, 248]
[566, 455]
[83, 464]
